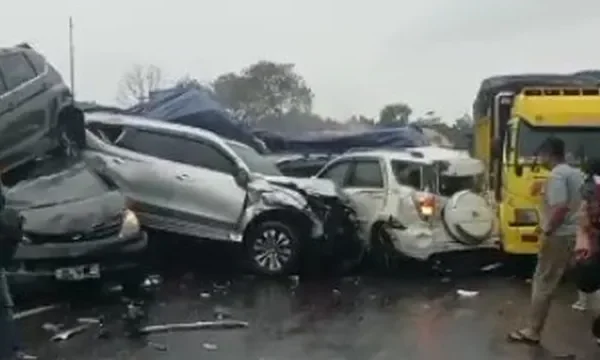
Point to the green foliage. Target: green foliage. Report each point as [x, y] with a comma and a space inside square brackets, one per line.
[264, 89]
[397, 114]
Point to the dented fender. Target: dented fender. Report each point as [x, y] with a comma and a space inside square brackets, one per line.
[264, 197]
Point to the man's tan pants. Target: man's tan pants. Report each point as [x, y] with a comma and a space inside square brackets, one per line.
[553, 259]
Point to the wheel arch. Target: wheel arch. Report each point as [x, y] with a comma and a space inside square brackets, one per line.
[291, 217]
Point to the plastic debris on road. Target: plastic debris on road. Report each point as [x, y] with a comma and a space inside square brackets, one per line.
[69, 333]
[491, 267]
[209, 346]
[53, 328]
[35, 311]
[467, 293]
[199, 325]
[205, 295]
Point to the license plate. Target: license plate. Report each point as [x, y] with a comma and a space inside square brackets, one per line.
[78, 273]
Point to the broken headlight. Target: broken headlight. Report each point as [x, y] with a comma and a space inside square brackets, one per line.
[131, 224]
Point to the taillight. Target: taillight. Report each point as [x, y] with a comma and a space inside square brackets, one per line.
[425, 204]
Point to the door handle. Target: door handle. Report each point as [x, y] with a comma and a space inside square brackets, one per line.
[118, 161]
[182, 177]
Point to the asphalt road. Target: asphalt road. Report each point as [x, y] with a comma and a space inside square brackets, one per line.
[405, 316]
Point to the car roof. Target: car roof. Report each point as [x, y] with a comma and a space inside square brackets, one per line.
[422, 154]
[148, 123]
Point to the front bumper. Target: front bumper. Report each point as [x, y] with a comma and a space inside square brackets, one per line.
[422, 242]
[35, 265]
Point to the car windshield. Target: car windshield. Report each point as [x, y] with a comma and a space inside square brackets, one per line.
[255, 161]
[579, 141]
[56, 181]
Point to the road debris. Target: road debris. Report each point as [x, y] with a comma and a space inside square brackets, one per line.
[491, 267]
[87, 320]
[210, 346]
[467, 293]
[199, 325]
[205, 295]
[157, 346]
[222, 312]
[35, 311]
[53, 328]
[69, 333]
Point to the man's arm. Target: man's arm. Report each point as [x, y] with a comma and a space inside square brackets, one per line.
[557, 197]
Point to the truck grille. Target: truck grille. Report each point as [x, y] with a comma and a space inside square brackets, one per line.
[109, 228]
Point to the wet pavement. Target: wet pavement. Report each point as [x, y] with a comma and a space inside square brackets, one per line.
[407, 316]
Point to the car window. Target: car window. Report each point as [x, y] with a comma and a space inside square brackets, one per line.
[37, 60]
[337, 172]
[149, 143]
[408, 174]
[176, 149]
[16, 69]
[205, 155]
[367, 173]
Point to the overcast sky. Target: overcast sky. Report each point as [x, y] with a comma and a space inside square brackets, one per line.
[357, 55]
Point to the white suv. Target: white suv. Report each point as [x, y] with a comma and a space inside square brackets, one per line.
[417, 202]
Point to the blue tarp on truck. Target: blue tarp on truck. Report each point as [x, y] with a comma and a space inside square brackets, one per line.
[197, 108]
[341, 141]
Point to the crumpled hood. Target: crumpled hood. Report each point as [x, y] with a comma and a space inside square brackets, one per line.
[78, 216]
[322, 187]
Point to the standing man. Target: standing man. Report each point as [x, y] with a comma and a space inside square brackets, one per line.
[561, 201]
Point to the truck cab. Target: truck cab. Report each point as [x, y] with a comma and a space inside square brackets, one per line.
[513, 116]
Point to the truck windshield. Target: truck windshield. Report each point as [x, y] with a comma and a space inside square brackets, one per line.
[579, 141]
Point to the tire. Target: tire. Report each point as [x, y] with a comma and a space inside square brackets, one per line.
[272, 248]
[383, 258]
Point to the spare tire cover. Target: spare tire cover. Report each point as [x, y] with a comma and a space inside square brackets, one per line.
[468, 217]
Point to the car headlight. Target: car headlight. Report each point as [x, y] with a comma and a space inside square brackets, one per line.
[131, 224]
[526, 217]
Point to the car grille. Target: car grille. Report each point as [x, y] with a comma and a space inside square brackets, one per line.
[104, 230]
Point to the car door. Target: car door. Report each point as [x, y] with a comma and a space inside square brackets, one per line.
[139, 162]
[366, 186]
[24, 116]
[207, 194]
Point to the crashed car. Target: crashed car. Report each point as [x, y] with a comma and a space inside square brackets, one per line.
[416, 202]
[192, 182]
[300, 165]
[76, 227]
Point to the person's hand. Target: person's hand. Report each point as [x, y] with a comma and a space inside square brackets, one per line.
[584, 248]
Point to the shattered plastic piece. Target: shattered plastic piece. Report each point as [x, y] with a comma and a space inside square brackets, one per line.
[35, 311]
[84, 320]
[467, 293]
[157, 346]
[205, 295]
[69, 333]
[295, 279]
[53, 328]
[491, 267]
[199, 325]
[209, 346]
[222, 312]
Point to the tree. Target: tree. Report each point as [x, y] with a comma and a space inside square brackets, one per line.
[463, 123]
[137, 84]
[264, 89]
[396, 114]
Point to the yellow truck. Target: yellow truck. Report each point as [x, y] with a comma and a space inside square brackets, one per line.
[513, 116]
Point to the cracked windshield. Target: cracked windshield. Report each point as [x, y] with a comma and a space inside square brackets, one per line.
[286, 181]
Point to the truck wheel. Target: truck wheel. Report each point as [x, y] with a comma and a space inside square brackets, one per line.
[272, 248]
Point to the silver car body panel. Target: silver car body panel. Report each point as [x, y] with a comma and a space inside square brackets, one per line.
[184, 199]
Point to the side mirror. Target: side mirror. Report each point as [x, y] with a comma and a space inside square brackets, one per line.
[242, 177]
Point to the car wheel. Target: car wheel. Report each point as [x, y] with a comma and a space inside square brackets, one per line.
[273, 248]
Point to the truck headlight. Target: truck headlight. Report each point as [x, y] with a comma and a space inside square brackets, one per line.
[131, 225]
[526, 217]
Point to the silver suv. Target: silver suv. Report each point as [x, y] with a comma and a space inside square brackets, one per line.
[190, 181]
[37, 112]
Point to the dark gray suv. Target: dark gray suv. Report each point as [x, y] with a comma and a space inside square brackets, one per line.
[37, 111]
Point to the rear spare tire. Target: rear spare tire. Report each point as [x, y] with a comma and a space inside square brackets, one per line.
[468, 218]
[272, 248]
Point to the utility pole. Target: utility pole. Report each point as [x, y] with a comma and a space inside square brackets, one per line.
[71, 56]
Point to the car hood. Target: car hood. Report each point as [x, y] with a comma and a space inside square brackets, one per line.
[76, 216]
[71, 198]
[323, 187]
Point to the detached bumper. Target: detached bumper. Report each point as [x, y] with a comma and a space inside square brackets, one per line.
[35, 265]
[421, 243]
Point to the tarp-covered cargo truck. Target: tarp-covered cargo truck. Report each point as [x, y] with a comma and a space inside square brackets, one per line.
[513, 116]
